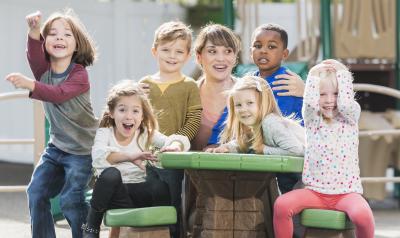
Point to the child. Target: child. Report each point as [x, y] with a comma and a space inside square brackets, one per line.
[331, 173]
[255, 123]
[58, 56]
[174, 96]
[127, 130]
[268, 50]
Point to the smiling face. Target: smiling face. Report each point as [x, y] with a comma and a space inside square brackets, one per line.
[328, 93]
[127, 115]
[268, 51]
[60, 42]
[246, 106]
[172, 55]
[216, 61]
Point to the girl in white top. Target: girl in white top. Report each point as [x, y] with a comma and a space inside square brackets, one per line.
[127, 131]
[331, 174]
[255, 123]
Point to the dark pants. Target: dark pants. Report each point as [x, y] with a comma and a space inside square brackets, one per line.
[109, 192]
[172, 177]
[286, 181]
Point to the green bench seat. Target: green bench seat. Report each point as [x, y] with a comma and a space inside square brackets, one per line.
[141, 217]
[325, 219]
[231, 161]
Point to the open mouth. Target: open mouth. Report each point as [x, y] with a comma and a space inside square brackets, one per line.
[127, 126]
[220, 67]
[59, 46]
[263, 61]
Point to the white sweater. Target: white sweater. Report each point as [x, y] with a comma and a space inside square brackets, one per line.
[106, 143]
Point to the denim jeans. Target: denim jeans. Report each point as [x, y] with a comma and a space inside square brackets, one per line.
[61, 173]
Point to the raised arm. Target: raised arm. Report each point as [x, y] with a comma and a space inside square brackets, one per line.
[311, 97]
[35, 52]
[347, 106]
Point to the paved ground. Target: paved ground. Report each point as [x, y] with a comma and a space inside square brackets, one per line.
[14, 217]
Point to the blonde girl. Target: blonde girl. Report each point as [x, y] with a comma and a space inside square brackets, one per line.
[58, 54]
[331, 174]
[128, 129]
[255, 124]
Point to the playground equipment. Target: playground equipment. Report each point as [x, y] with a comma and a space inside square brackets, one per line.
[326, 223]
[146, 222]
[232, 194]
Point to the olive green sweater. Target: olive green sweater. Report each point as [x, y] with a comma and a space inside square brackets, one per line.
[177, 105]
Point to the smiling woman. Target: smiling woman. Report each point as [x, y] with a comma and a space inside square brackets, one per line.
[216, 49]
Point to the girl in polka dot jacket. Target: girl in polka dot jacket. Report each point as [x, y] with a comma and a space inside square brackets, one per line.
[331, 173]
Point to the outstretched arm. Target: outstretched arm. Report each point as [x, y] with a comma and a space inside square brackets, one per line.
[21, 81]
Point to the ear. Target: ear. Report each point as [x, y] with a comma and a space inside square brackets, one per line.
[198, 58]
[154, 51]
[285, 54]
[251, 54]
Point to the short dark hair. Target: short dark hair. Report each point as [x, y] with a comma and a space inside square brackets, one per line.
[273, 27]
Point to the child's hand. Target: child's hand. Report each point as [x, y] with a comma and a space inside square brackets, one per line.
[290, 82]
[336, 65]
[21, 81]
[219, 149]
[34, 20]
[138, 158]
[173, 147]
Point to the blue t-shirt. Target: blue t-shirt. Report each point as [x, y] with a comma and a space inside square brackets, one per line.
[218, 127]
[289, 105]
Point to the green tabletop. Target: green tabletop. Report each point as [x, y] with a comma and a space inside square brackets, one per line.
[228, 161]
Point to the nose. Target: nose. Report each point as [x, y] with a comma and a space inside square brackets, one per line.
[331, 98]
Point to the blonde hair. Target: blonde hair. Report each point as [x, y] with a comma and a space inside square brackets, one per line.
[85, 52]
[171, 31]
[235, 130]
[218, 35]
[128, 88]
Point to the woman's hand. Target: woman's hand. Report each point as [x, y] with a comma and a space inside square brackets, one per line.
[219, 149]
[291, 82]
[138, 158]
[145, 88]
[21, 81]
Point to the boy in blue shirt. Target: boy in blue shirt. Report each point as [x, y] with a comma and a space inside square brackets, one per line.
[268, 50]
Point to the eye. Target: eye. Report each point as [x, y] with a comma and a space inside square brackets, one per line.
[228, 51]
[121, 109]
[212, 51]
[180, 52]
[165, 50]
[271, 47]
[322, 94]
[257, 46]
[68, 34]
[250, 103]
[238, 105]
